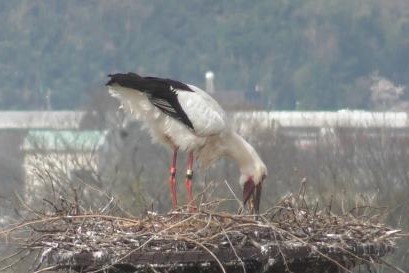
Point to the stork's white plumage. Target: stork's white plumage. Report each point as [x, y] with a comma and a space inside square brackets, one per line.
[187, 118]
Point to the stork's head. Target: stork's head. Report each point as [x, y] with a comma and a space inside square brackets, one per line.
[252, 184]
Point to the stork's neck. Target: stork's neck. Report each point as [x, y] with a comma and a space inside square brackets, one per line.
[244, 154]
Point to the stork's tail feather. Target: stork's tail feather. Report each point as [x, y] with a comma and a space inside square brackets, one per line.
[122, 79]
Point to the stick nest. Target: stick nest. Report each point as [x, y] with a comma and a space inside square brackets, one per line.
[275, 236]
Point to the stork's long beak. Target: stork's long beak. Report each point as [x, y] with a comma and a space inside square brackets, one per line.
[252, 196]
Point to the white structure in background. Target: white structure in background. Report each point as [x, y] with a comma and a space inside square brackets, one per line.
[210, 82]
[308, 127]
[52, 128]
[342, 118]
[41, 119]
[54, 158]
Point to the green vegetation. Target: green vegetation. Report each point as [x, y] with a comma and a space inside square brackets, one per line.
[312, 54]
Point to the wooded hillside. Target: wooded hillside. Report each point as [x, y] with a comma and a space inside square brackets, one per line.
[311, 54]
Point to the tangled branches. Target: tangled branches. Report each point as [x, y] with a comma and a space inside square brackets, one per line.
[288, 236]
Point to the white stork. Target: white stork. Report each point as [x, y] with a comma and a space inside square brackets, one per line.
[187, 118]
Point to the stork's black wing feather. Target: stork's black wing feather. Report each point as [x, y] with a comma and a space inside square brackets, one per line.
[161, 92]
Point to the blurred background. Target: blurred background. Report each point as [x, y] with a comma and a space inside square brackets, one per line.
[303, 55]
[319, 87]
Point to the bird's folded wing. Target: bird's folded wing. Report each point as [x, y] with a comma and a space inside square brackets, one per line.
[203, 111]
[171, 107]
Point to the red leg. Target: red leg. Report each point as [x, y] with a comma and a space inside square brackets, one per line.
[172, 179]
[188, 183]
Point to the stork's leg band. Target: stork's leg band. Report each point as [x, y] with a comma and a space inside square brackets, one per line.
[189, 174]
